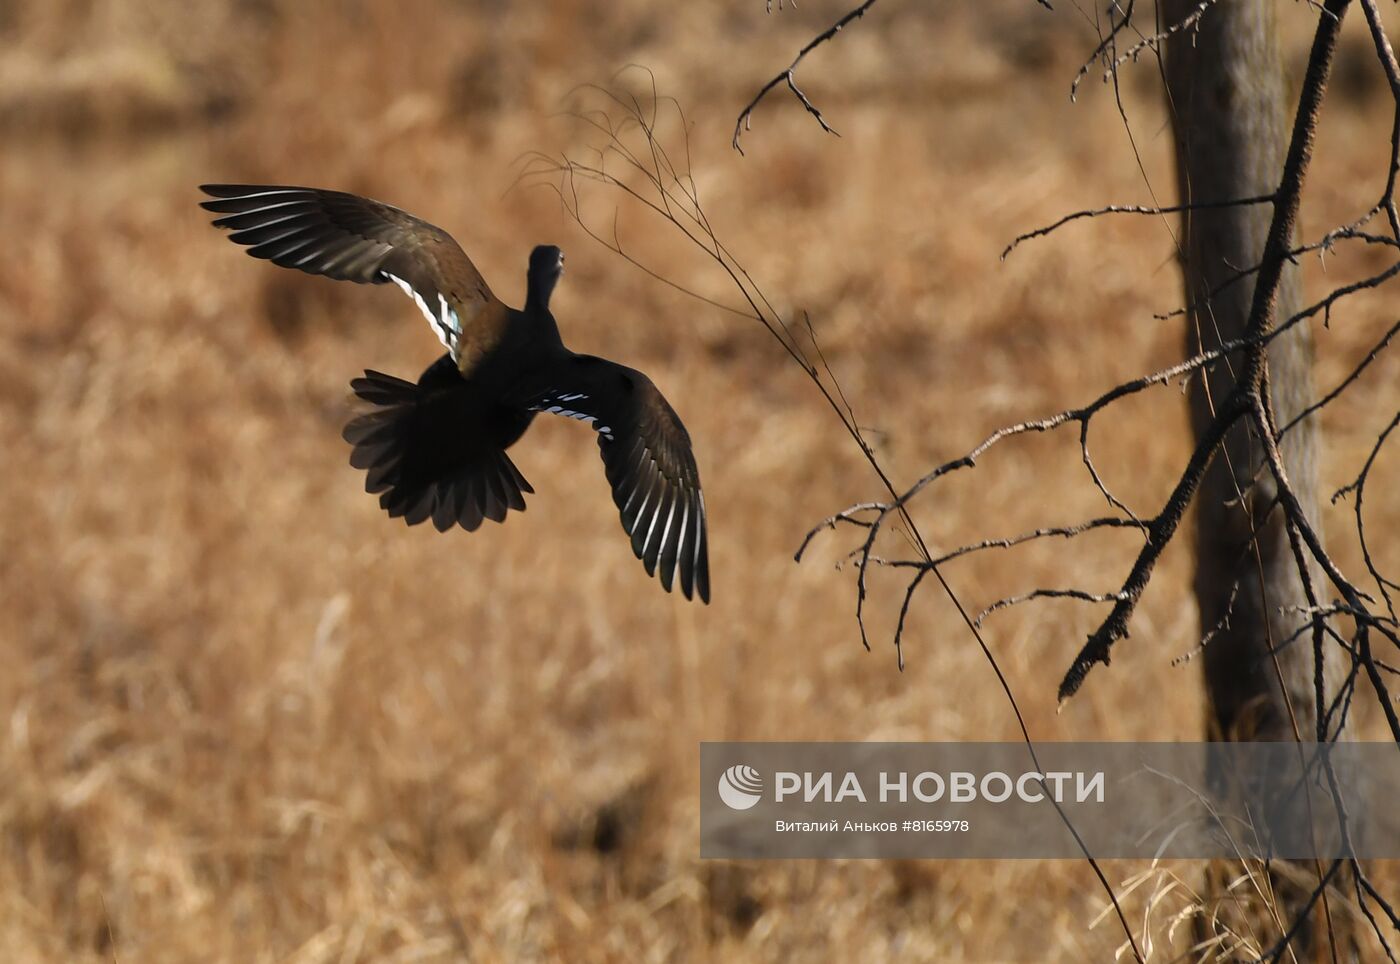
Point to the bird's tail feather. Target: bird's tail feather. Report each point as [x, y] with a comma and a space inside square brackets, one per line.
[424, 464]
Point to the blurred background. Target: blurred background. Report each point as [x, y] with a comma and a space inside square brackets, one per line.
[246, 717]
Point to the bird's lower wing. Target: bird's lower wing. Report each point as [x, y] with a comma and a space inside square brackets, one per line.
[648, 460]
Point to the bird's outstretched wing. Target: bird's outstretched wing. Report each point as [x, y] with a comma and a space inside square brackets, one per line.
[648, 460]
[351, 238]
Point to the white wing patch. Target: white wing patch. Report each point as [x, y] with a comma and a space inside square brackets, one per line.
[446, 325]
[700, 529]
[550, 406]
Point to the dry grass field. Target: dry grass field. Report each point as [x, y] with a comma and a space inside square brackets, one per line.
[245, 717]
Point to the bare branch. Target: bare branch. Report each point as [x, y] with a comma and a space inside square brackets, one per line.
[1386, 55]
[1066, 532]
[1214, 631]
[1298, 519]
[1322, 246]
[745, 121]
[1080, 594]
[1154, 210]
[1345, 383]
[1153, 42]
[1160, 532]
[1359, 487]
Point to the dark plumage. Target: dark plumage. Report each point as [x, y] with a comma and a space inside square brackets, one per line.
[437, 449]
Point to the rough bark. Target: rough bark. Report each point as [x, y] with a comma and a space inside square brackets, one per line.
[1231, 110]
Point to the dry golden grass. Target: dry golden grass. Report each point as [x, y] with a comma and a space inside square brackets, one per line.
[246, 717]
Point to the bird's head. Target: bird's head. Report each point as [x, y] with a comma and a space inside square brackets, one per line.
[546, 265]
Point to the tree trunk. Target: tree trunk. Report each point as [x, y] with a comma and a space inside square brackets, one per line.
[1232, 112]
[1230, 109]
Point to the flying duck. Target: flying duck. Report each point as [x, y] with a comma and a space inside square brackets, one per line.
[437, 449]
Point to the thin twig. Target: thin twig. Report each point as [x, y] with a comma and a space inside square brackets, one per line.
[745, 121]
[1152, 210]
